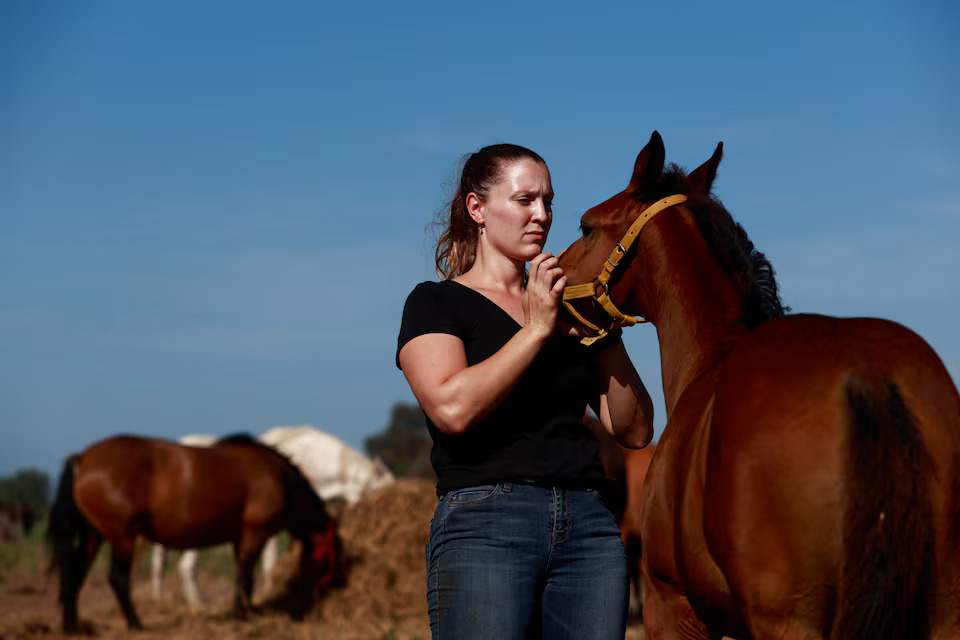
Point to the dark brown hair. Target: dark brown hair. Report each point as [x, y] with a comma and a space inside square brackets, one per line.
[457, 244]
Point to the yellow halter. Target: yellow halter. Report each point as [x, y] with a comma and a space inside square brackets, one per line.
[598, 289]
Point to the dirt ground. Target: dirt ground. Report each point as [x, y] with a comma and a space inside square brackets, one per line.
[384, 599]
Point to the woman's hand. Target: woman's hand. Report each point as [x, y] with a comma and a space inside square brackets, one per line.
[544, 292]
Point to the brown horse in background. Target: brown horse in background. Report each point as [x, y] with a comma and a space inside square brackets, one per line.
[806, 483]
[238, 491]
[627, 468]
[636, 462]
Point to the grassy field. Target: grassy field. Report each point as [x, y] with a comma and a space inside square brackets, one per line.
[26, 556]
[30, 556]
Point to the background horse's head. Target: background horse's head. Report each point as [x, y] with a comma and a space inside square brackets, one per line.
[328, 560]
[323, 565]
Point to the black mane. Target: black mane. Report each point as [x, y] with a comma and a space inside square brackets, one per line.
[240, 438]
[293, 479]
[751, 271]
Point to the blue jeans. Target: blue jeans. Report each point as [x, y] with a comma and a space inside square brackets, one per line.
[518, 561]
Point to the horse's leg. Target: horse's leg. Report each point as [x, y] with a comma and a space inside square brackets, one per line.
[269, 562]
[187, 567]
[632, 547]
[156, 570]
[73, 577]
[121, 564]
[667, 615]
[775, 602]
[246, 552]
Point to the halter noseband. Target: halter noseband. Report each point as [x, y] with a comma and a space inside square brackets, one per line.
[598, 289]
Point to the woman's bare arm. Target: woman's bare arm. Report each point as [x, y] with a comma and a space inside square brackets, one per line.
[456, 396]
[625, 408]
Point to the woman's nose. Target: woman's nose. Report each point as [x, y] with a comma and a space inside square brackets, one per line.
[541, 211]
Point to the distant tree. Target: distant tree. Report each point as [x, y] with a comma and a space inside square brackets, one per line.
[32, 488]
[22, 487]
[404, 446]
[24, 496]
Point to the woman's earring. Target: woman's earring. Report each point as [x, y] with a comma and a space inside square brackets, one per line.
[480, 224]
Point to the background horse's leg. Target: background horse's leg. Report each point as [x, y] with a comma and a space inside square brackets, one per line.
[73, 576]
[247, 552]
[634, 549]
[121, 563]
[268, 562]
[156, 570]
[187, 567]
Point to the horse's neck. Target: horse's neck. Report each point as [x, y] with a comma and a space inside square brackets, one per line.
[696, 310]
[687, 352]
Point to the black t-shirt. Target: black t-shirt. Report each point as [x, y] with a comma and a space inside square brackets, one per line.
[537, 433]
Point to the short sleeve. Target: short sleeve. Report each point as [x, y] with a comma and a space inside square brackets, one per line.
[425, 311]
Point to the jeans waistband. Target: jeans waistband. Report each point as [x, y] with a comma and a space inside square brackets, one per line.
[602, 485]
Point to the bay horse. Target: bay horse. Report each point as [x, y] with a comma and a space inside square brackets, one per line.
[336, 471]
[806, 483]
[237, 491]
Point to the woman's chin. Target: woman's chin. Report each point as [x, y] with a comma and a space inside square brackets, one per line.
[531, 251]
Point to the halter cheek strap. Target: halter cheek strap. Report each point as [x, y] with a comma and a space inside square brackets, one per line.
[328, 554]
[599, 289]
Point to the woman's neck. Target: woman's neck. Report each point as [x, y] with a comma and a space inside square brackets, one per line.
[498, 274]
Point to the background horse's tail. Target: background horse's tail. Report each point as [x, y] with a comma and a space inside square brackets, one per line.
[887, 574]
[68, 533]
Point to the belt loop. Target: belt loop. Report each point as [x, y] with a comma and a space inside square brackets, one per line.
[507, 487]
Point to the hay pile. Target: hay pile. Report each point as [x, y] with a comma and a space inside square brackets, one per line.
[384, 536]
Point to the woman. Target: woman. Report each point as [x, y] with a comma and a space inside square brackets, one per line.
[521, 544]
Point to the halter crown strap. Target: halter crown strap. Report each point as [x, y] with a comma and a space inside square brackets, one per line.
[599, 289]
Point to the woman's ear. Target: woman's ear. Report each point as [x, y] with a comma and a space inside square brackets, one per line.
[475, 207]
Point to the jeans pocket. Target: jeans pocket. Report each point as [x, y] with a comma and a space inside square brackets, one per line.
[474, 495]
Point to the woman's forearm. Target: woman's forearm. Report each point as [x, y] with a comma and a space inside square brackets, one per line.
[470, 394]
[626, 410]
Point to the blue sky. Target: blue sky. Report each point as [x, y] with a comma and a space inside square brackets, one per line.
[211, 213]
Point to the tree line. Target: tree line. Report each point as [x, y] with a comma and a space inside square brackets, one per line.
[24, 497]
[404, 445]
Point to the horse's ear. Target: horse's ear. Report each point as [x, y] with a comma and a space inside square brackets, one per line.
[701, 178]
[648, 167]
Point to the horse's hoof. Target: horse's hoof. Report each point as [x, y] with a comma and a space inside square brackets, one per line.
[79, 629]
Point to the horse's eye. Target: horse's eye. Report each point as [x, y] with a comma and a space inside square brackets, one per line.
[585, 230]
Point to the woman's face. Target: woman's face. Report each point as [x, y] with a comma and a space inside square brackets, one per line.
[518, 210]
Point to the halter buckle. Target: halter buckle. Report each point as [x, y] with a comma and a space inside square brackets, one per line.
[623, 252]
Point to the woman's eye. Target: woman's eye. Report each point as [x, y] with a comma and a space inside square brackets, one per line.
[585, 230]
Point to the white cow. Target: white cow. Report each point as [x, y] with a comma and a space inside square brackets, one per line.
[333, 468]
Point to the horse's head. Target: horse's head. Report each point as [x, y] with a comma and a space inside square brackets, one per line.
[327, 559]
[602, 292]
[322, 566]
